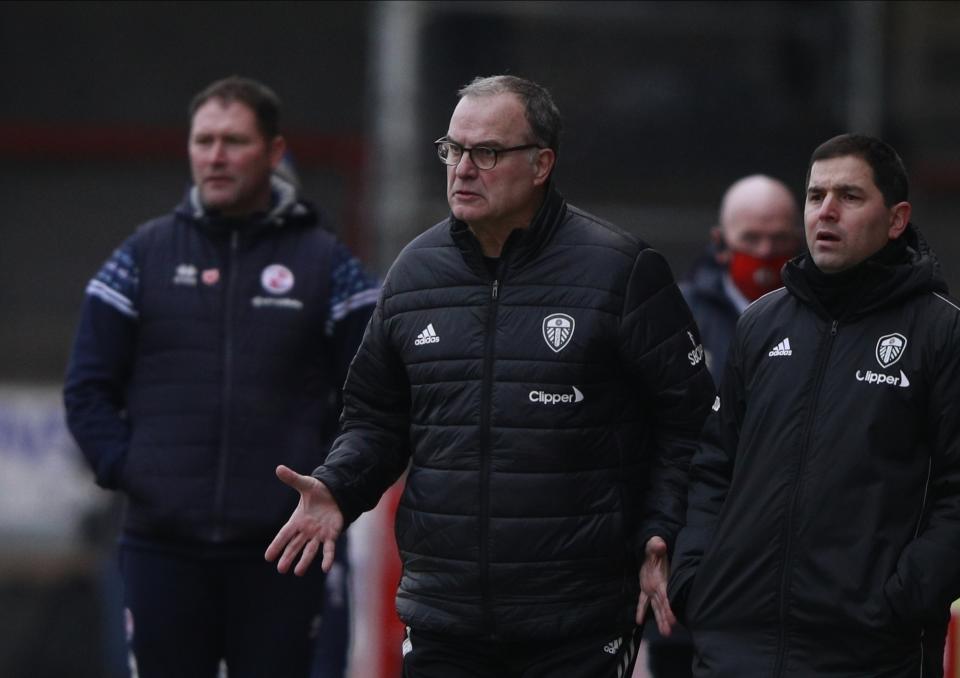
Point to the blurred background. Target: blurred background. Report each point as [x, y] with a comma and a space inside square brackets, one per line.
[665, 104]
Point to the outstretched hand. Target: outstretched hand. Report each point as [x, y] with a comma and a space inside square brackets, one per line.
[653, 586]
[317, 521]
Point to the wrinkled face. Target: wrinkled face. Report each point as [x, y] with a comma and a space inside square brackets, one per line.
[845, 218]
[508, 195]
[230, 159]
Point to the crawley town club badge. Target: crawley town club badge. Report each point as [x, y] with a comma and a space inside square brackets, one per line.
[889, 349]
[277, 279]
[558, 331]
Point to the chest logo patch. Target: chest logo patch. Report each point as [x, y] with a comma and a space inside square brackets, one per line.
[889, 348]
[277, 279]
[558, 331]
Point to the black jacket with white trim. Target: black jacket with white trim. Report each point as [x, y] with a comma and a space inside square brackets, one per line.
[548, 413]
[823, 529]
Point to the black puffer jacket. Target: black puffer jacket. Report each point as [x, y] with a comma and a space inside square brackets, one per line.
[824, 522]
[538, 408]
[713, 309]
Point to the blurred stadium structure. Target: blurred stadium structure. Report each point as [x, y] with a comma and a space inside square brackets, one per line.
[664, 105]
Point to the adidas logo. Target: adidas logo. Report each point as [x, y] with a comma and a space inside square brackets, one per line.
[613, 646]
[783, 348]
[428, 336]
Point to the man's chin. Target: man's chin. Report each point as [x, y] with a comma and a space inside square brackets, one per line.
[466, 214]
[217, 201]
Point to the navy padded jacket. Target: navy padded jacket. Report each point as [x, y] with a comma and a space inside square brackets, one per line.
[208, 352]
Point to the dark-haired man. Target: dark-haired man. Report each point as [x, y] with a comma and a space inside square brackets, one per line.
[823, 528]
[211, 347]
[540, 373]
[758, 231]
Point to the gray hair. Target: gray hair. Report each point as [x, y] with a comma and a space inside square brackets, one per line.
[542, 114]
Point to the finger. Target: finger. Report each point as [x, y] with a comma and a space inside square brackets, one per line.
[642, 606]
[279, 542]
[309, 553]
[329, 550]
[292, 550]
[663, 613]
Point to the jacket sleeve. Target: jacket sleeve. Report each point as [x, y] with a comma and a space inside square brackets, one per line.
[711, 473]
[927, 579]
[353, 294]
[100, 362]
[372, 449]
[661, 348]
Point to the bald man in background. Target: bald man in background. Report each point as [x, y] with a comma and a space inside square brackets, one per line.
[758, 231]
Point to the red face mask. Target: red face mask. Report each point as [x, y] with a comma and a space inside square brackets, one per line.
[754, 276]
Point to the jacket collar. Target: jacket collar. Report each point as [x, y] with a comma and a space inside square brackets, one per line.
[523, 244]
[285, 207]
[887, 277]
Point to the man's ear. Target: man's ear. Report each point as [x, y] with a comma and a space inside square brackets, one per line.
[722, 252]
[899, 218]
[543, 165]
[278, 146]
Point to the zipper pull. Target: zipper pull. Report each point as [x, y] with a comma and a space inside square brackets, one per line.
[496, 289]
[833, 328]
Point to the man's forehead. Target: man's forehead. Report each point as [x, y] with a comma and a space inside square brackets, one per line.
[843, 171]
[218, 111]
[495, 117]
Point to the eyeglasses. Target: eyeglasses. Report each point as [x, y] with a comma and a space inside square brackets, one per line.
[483, 157]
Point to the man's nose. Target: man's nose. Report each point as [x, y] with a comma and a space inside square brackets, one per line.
[218, 151]
[765, 248]
[465, 167]
[828, 208]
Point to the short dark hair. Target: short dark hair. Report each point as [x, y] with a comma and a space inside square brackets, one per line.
[542, 114]
[889, 172]
[262, 100]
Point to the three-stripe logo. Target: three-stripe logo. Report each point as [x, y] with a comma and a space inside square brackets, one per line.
[783, 348]
[428, 336]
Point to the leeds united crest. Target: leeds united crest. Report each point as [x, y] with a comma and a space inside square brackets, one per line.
[890, 348]
[558, 331]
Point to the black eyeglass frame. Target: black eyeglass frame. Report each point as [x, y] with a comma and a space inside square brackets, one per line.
[469, 151]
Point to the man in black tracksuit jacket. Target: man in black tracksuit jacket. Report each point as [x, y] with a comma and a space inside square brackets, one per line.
[823, 534]
[541, 374]
[212, 345]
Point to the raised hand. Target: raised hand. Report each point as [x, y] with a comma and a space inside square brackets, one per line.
[316, 521]
[653, 586]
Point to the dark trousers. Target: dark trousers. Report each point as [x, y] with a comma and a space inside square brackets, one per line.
[606, 655]
[669, 657]
[185, 613]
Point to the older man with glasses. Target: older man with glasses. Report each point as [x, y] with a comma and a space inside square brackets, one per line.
[539, 372]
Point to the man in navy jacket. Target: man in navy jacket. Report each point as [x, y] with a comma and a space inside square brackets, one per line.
[211, 347]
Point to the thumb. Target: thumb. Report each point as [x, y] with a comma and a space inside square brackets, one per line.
[298, 482]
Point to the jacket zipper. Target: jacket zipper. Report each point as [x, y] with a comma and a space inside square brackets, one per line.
[822, 360]
[225, 396]
[485, 406]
